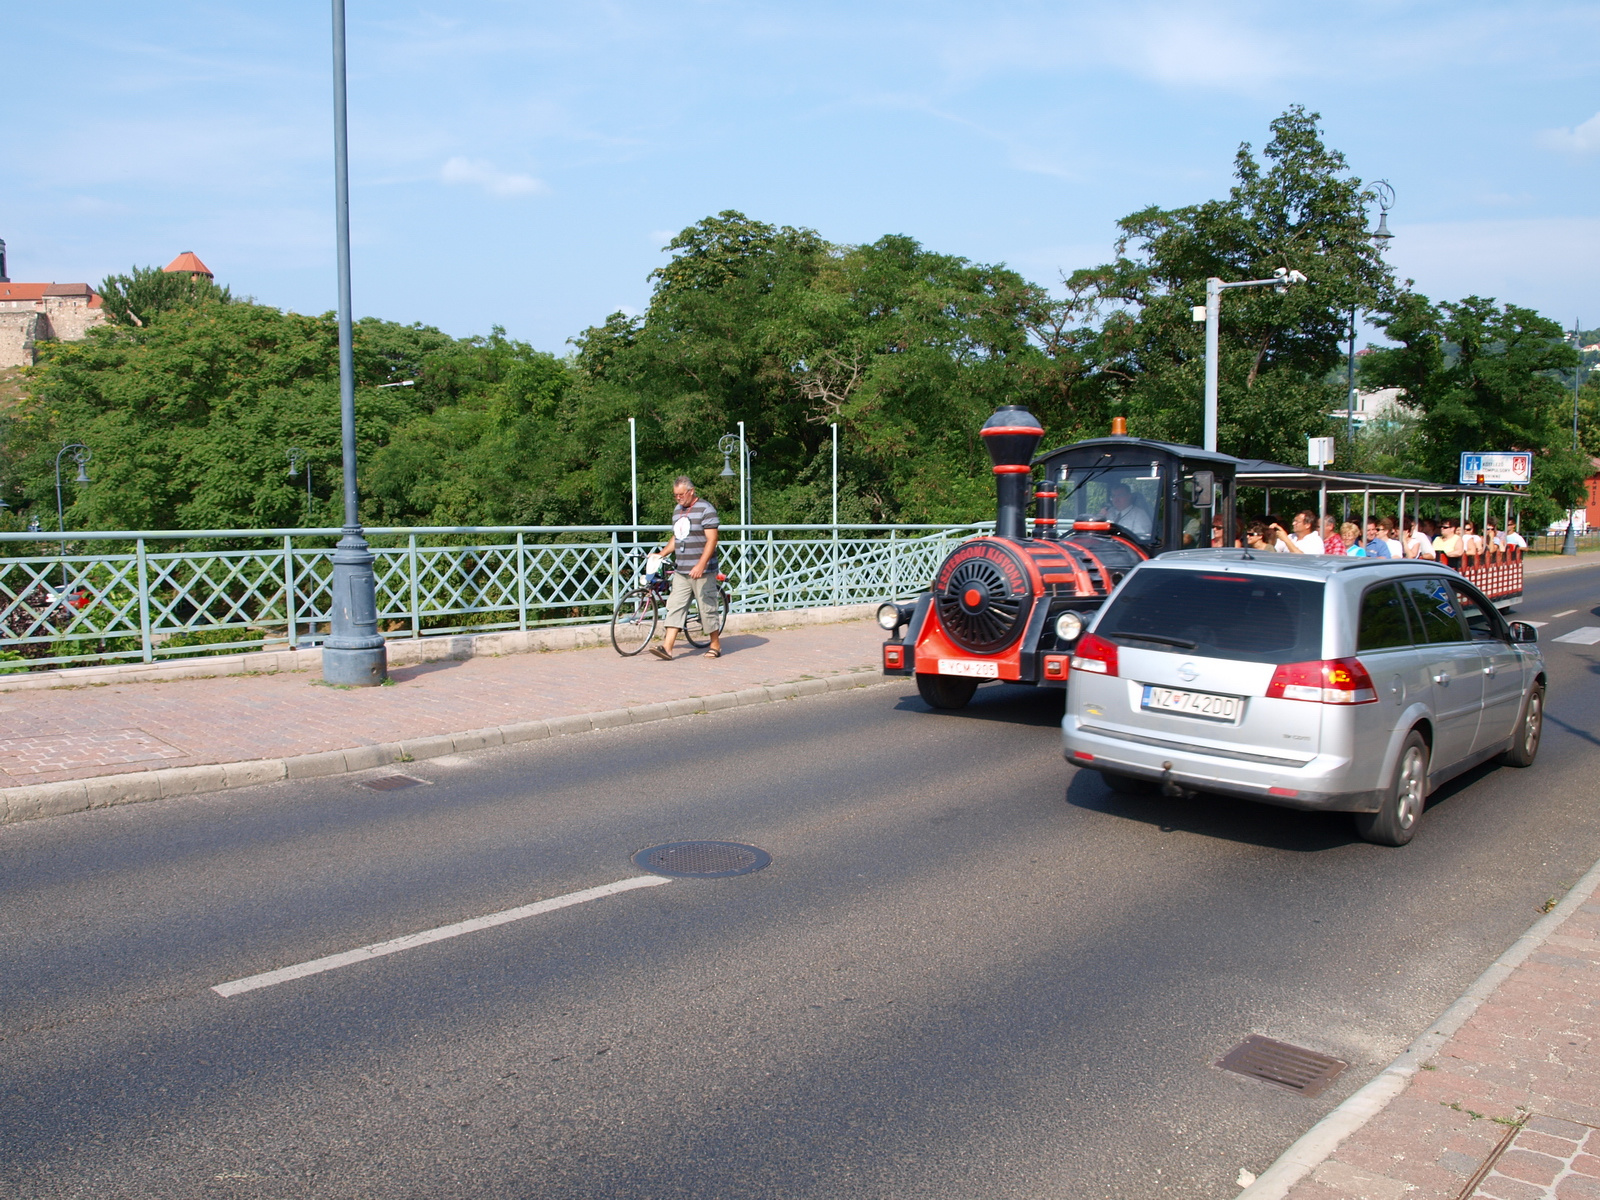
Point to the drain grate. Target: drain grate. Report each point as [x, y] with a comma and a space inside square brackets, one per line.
[1279, 1063]
[702, 860]
[392, 783]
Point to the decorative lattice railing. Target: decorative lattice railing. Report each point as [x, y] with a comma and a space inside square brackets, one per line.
[141, 596]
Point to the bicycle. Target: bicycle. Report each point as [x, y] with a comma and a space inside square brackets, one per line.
[638, 611]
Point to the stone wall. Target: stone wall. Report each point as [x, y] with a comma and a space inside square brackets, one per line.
[70, 317]
[19, 331]
[62, 318]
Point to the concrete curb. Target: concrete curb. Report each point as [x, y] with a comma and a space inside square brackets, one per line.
[1546, 564]
[403, 652]
[1322, 1139]
[78, 795]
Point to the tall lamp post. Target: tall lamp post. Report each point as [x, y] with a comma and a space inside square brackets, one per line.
[1569, 544]
[354, 653]
[1381, 236]
[81, 456]
[1211, 314]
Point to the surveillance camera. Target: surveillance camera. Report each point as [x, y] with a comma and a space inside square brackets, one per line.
[1280, 272]
[1296, 277]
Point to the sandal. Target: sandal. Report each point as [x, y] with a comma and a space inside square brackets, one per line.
[713, 653]
[661, 653]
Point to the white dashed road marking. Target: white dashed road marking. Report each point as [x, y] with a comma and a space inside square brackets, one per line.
[1566, 613]
[1584, 635]
[412, 940]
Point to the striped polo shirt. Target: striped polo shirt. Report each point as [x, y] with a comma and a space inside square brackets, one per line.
[689, 527]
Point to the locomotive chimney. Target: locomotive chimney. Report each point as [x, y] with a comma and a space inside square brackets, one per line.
[1011, 436]
[1044, 510]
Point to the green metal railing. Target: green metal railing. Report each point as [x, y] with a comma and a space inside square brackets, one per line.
[149, 595]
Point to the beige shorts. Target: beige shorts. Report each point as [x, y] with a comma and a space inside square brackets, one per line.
[704, 590]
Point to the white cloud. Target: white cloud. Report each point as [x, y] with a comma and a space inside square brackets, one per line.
[477, 173]
[1583, 139]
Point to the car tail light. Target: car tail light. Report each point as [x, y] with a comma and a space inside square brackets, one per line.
[1095, 655]
[1331, 681]
[893, 656]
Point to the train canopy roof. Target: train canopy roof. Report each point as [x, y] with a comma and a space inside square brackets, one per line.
[1258, 472]
[1132, 447]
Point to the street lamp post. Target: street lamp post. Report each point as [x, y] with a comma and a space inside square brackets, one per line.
[1381, 236]
[1569, 544]
[1280, 282]
[81, 456]
[353, 653]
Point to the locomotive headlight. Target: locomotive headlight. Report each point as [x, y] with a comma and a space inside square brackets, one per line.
[891, 616]
[1068, 626]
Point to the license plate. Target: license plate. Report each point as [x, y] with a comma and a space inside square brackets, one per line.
[961, 666]
[1193, 704]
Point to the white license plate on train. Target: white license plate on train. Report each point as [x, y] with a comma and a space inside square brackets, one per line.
[976, 670]
[1204, 705]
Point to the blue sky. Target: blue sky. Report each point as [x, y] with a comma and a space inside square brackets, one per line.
[523, 164]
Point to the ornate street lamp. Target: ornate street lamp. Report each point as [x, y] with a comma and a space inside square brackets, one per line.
[296, 457]
[1381, 236]
[354, 652]
[81, 456]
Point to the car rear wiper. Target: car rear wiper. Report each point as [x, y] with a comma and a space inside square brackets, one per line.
[1181, 643]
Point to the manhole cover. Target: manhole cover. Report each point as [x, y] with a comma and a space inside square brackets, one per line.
[1279, 1063]
[392, 783]
[701, 860]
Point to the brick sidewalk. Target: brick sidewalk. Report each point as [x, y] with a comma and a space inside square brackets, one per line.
[1508, 1108]
[85, 732]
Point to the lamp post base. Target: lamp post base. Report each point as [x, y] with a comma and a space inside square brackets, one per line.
[367, 667]
[355, 653]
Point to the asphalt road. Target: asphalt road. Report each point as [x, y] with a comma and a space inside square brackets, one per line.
[968, 973]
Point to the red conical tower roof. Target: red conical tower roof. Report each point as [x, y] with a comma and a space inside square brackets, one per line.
[189, 263]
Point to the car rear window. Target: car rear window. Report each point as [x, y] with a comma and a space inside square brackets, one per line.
[1250, 618]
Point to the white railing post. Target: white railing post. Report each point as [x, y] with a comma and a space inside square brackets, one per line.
[289, 614]
[616, 566]
[894, 567]
[145, 643]
[411, 570]
[522, 585]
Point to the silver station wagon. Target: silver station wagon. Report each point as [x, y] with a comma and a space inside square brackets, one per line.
[1309, 681]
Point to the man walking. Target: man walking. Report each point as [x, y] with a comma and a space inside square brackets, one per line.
[694, 540]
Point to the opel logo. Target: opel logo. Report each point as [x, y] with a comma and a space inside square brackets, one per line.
[1187, 673]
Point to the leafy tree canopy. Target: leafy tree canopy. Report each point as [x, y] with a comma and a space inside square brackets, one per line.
[145, 292]
[191, 399]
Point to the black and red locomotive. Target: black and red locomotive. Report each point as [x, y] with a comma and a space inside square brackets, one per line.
[1010, 606]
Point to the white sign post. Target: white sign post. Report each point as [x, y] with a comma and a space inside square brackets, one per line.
[1319, 451]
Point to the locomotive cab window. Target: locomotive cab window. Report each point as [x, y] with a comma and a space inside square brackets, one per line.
[1130, 497]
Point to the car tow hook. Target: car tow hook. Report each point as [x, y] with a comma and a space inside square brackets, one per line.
[1169, 788]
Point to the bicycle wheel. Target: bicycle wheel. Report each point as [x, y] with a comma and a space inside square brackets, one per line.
[633, 623]
[694, 629]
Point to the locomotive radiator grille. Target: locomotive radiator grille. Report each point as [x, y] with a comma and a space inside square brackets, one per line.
[978, 606]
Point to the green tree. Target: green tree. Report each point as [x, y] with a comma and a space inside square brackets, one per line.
[189, 417]
[1483, 376]
[1299, 210]
[145, 292]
